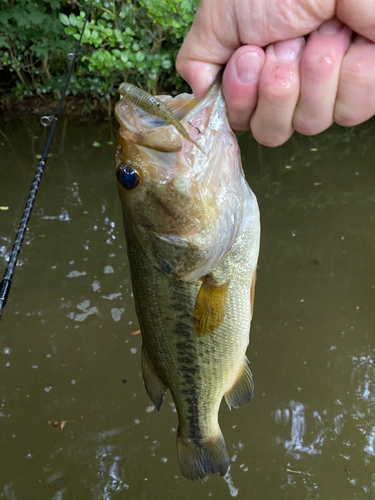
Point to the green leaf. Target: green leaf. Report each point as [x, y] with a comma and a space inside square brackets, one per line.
[37, 17]
[70, 30]
[166, 64]
[140, 56]
[96, 144]
[3, 42]
[64, 19]
[72, 19]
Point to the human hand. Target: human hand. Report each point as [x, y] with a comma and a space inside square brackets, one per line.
[292, 85]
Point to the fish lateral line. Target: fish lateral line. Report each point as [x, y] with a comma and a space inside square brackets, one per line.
[156, 107]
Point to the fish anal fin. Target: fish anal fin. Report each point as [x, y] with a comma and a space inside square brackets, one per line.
[198, 458]
[242, 391]
[210, 306]
[155, 387]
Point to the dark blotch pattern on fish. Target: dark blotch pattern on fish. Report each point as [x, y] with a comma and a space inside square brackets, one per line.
[188, 357]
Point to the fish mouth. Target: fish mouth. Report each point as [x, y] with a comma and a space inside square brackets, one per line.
[149, 131]
[144, 129]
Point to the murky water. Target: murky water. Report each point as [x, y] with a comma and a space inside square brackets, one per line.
[75, 420]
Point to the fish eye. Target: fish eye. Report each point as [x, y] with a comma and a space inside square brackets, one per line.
[127, 176]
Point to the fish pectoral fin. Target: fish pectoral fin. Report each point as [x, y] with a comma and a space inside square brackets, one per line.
[242, 391]
[197, 458]
[155, 387]
[210, 306]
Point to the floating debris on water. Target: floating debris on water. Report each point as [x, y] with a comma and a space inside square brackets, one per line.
[116, 313]
[75, 274]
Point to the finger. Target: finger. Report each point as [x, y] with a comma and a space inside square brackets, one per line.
[320, 69]
[220, 27]
[355, 101]
[208, 47]
[358, 15]
[240, 85]
[271, 123]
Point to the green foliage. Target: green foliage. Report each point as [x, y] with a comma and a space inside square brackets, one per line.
[133, 40]
[32, 42]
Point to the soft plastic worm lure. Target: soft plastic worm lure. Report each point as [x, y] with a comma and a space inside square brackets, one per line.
[154, 106]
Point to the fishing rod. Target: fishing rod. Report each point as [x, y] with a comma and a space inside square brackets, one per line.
[6, 282]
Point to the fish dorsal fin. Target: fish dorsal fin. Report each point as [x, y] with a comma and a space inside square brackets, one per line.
[242, 391]
[210, 306]
[155, 387]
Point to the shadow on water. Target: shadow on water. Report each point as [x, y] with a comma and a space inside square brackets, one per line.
[75, 418]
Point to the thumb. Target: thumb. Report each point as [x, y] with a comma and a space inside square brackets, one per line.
[203, 53]
[359, 16]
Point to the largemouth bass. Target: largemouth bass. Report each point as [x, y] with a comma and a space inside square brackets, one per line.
[192, 230]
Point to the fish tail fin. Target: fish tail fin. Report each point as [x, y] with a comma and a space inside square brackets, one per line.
[197, 458]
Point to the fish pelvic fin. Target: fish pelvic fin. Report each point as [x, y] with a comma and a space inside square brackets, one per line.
[197, 458]
[155, 387]
[242, 391]
[210, 306]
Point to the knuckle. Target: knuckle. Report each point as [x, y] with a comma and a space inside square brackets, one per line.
[346, 119]
[280, 86]
[356, 70]
[238, 123]
[303, 126]
[270, 140]
[306, 125]
[319, 66]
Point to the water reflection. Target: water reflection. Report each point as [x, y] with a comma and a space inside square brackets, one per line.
[295, 417]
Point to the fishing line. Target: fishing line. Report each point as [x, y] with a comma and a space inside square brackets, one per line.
[46, 121]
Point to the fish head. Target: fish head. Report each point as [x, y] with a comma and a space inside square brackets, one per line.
[181, 206]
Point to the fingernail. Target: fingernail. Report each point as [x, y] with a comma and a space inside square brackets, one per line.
[248, 67]
[331, 27]
[288, 50]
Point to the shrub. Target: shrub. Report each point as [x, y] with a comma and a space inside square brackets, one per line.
[128, 40]
[32, 46]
